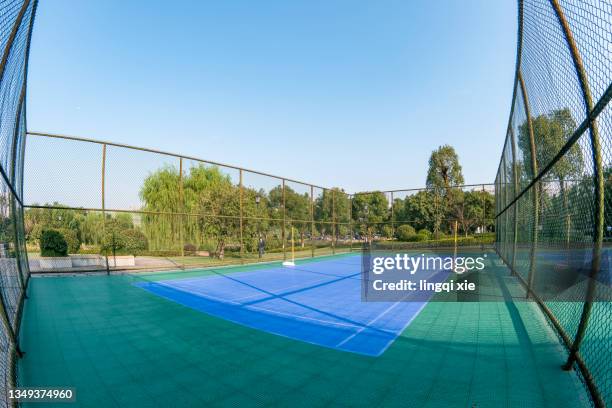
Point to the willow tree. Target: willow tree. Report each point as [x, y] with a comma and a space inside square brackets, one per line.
[215, 200]
[161, 198]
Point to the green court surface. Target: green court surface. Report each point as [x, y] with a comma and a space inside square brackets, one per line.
[118, 345]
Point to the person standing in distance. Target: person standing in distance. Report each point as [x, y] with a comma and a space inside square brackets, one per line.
[261, 245]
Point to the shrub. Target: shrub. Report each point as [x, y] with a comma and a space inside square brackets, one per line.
[72, 240]
[425, 233]
[405, 232]
[418, 238]
[189, 248]
[53, 243]
[134, 241]
[128, 241]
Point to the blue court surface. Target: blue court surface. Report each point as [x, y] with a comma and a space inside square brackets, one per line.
[318, 302]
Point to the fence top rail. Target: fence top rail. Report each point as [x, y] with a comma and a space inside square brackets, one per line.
[400, 190]
[146, 149]
[216, 163]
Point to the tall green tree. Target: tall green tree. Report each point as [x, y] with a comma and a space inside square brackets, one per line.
[371, 213]
[443, 174]
[208, 207]
[417, 210]
[550, 132]
[478, 211]
[53, 217]
[333, 205]
[297, 210]
[160, 193]
[216, 200]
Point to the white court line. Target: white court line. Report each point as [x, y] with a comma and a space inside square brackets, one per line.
[425, 303]
[331, 323]
[188, 281]
[403, 328]
[193, 289]
[284, 289]
[221, 275]
[368, 324]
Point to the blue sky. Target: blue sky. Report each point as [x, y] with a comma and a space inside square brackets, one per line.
[338, 93]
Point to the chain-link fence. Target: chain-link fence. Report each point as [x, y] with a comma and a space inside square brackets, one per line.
[16, 19]
[431, 217]
[122, 207]
[553, 207]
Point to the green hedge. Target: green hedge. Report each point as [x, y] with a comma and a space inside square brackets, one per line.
[124, 242]
[480, 239]
[53, 243]
[72, 239]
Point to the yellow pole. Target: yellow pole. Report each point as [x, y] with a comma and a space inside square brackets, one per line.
[292, 245]
[455, 246]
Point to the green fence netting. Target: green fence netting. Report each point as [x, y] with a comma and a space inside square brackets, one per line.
[16, 19]
[552, 189]
[175, 211]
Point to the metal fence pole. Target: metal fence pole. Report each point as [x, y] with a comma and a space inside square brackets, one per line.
[12, 35]
[182, 208]
[536, 187]
[3, 63]
[104, 206]
[312, 225]
[392, 222]
[284, 220]
[598, 181]
[13, 175]
[241, 219]
[436, 226]
[333, 221]
[515, 205]
[7, 323]
[350, 223]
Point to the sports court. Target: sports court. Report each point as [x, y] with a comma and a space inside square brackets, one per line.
[318, 302]
[220, 337]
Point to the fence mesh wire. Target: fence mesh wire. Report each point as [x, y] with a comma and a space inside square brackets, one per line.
[16, 19]
[179, 212]
[553, 184]
[553, 207]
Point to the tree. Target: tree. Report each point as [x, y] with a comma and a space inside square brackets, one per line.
[55, 217]
[370, 212]
[444, 168]
[443, 175]
[477, 210]
[417, 209]
[405, 232]
[216, 200]
[297, 209]
[52, 243]
[333, 205]
[550, 133]
[92, 227]
[255, 210]
[121, 238]
[160, 193]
